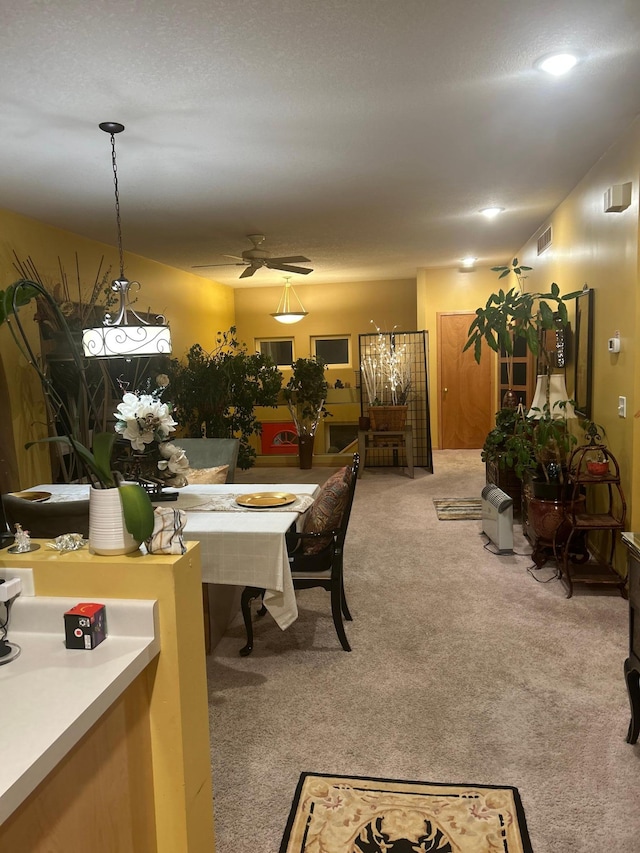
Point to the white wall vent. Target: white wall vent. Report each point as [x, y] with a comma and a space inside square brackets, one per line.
[544, 240]
[497, 518]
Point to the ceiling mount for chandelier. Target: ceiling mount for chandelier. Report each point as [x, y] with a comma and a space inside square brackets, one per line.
[124, 334]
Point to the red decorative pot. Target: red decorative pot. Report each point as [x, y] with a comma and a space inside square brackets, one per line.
[598, 469]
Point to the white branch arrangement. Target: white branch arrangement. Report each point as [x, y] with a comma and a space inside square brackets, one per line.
[386, 369]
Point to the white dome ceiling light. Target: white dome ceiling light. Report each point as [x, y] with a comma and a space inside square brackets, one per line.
[557, 64]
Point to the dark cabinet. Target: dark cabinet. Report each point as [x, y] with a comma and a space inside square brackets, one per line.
[632, 663]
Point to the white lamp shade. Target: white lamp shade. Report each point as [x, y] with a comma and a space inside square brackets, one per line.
[289, 318]
[557, 394]
[126, 341]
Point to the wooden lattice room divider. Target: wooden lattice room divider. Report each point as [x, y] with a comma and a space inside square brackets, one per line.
[415, 347]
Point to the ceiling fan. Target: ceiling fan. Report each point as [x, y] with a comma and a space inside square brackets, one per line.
[256, 258]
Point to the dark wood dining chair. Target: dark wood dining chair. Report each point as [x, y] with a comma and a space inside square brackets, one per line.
[316, 554]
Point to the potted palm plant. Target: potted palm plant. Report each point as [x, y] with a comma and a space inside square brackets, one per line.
[305, 394]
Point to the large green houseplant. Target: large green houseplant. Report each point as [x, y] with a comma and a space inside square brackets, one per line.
[516, 313]
[215, 393]
[537, 443]
[305, 394]
[540, 440]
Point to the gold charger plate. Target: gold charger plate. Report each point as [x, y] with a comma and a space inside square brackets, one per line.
[35, 497]
[265, 499]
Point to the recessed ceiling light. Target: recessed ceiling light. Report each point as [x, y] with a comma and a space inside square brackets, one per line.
[468, 262]
[490, 212]
[557, 63]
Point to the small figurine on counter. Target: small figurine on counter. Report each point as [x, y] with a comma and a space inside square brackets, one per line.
[22, 543]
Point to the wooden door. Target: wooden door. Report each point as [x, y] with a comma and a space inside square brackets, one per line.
[466, 388]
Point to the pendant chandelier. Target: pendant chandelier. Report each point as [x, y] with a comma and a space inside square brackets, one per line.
[284, 313]
[124, 334]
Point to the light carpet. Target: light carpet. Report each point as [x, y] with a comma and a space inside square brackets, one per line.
[356, 814]
[463, 668]
[458, 509]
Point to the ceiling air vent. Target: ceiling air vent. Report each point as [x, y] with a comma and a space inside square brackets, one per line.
[544, 240]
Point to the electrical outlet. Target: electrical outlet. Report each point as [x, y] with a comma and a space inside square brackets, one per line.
[25, 575]
[9, 589]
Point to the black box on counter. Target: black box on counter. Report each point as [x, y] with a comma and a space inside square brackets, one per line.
[85, 626]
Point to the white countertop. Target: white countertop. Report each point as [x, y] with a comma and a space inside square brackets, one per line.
[50, 696]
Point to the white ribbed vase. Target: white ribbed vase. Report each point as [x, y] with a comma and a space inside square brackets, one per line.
[108, 534]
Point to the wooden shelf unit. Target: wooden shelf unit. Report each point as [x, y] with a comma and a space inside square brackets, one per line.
[605, 492]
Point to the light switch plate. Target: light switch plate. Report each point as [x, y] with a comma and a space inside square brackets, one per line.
[622, 407]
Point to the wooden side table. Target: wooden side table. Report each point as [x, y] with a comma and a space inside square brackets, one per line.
[374, 439]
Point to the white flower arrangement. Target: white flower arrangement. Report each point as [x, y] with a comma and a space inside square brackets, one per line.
[143, 419]
[146, 422]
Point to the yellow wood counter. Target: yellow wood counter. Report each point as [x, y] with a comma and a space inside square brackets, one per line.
[172, 694]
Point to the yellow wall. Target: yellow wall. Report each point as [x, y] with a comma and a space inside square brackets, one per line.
[333, 309]
[601, 249]
[195, 307]
[442, 291]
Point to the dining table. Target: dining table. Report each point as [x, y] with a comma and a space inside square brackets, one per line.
[240, 546]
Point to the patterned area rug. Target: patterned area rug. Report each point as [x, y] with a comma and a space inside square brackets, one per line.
[354, 814]
[453, 509]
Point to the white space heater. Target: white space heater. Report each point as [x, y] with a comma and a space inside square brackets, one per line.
[497, 517]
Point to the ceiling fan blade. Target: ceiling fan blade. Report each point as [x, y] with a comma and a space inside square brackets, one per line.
[294, 259]
[235, 257]
[248, 272]
[204, 266]
[287, 268]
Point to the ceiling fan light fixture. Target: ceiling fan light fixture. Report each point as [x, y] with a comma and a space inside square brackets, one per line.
[285, 313]
[118, 337]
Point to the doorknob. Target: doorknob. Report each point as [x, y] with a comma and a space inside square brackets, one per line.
[445, 390]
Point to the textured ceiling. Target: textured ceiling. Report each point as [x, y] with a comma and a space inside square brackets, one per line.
[364, 134]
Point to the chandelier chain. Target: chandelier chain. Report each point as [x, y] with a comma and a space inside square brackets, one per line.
[117, 195]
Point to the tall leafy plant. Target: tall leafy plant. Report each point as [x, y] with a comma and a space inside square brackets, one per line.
[215, 393]
[515, 313]
[305, 393]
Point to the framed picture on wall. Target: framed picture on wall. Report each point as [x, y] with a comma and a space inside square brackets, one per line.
[583, 353]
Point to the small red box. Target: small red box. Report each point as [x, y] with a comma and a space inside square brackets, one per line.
[85, 626]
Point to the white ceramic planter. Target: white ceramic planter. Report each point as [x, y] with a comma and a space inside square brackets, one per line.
[108, 534]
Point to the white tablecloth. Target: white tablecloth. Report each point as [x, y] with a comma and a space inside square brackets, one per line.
[240, 548]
